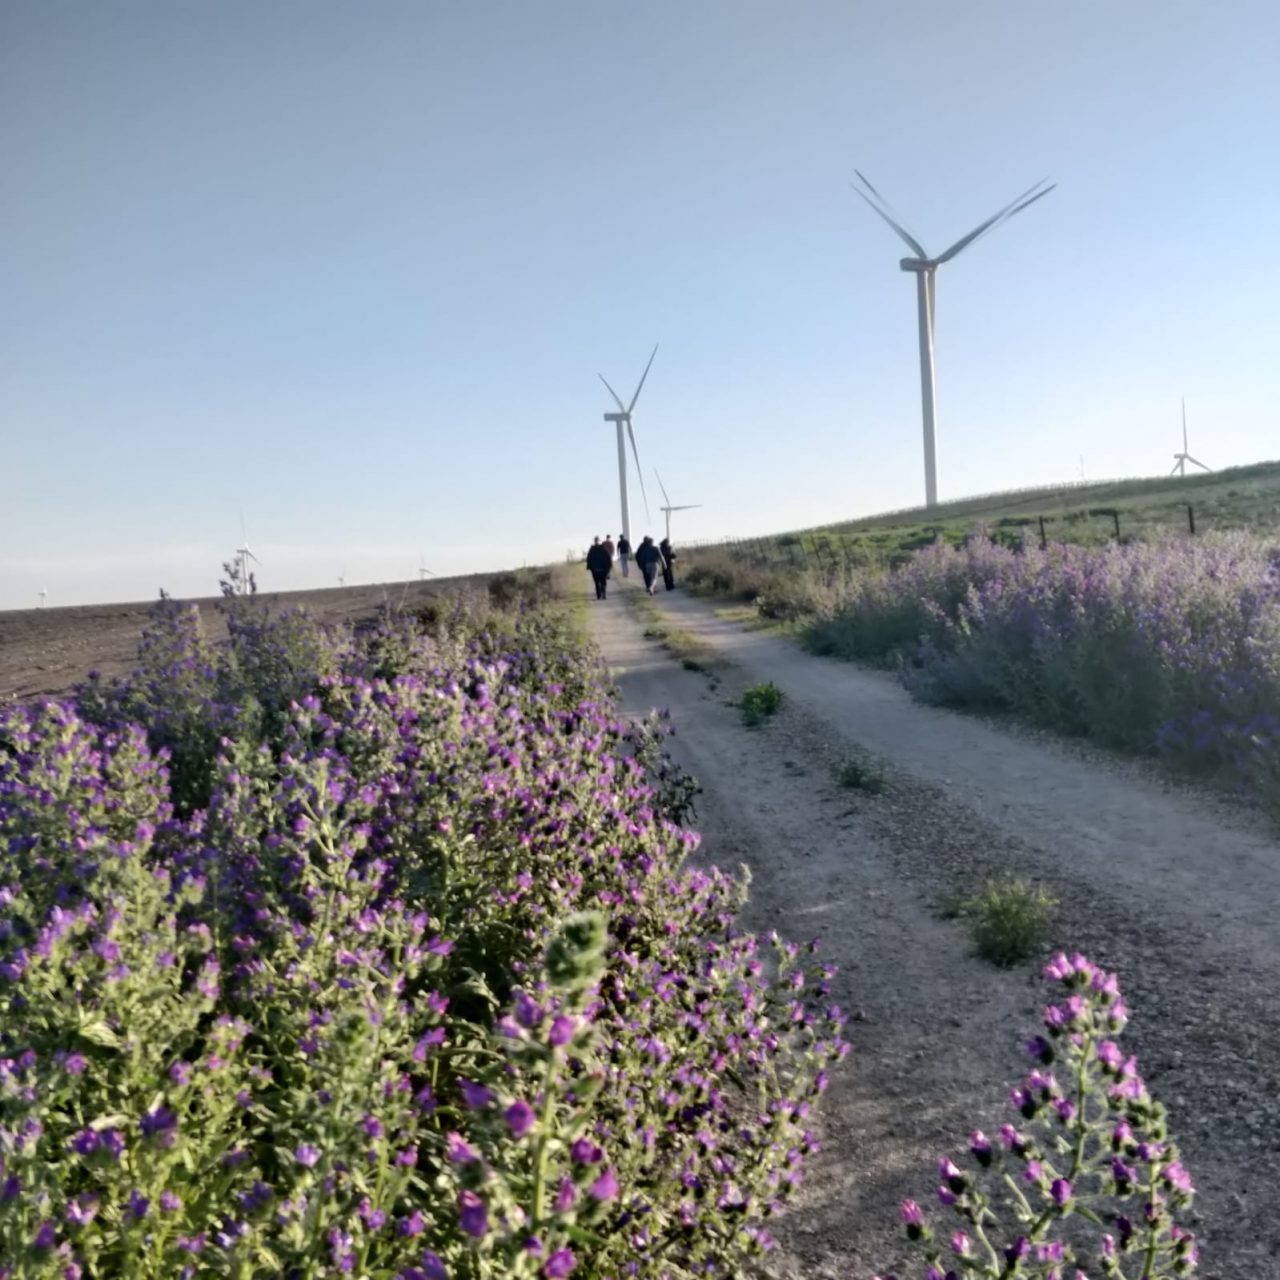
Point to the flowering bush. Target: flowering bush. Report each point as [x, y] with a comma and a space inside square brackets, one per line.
[378, 955]
[1170, 648]
[1089, 1173]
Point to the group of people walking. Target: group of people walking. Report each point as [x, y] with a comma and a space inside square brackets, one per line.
[650, 559]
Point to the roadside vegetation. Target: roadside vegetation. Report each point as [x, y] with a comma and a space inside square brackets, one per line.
[328, 952]
[1170, 649]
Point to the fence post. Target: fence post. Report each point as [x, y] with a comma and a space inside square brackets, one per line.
[1044, 542]
[1191, 517]
[1115, 515]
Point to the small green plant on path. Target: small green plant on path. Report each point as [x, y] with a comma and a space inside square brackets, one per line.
[760, 703]
[861, 772]
[1008, 919]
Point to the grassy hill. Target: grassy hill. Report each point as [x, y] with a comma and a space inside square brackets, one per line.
[1088, 512]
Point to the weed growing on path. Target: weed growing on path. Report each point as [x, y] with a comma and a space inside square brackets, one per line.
[861, 772]
[760, 702]
[1008, 919]
[1093, 1148]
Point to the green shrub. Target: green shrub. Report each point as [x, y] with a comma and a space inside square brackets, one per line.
[760, 702]
[1009, 920]
[861, 772]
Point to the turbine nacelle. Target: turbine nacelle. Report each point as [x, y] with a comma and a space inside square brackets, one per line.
[917, 264]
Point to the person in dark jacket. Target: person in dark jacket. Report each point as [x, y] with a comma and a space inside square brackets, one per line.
[668, 563]
[600, 565]
[624, 553]
[648, 560]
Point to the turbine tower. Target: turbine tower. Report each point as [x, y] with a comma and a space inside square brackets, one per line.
[620, 419]
[1181, 459]
[925, 269]
[244, 555]
[668, 509]
[423, 571]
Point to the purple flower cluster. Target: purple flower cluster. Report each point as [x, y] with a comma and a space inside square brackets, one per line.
[1089, 1144]
[378, 955]
[1171, 647]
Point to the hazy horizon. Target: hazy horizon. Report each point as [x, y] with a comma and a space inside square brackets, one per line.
[355, 271]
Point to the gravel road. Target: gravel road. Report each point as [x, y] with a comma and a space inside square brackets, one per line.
[1174, 889]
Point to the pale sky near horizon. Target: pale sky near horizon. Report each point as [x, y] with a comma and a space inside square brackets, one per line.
[354, 268]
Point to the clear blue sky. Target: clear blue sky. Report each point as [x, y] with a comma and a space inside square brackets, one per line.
[354, 267]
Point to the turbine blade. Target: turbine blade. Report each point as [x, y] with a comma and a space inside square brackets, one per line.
[643, 376]
[666, 497]
[1201, 465]
[1010, 210]
[616, 398]
[635, 454]
[912, 243]
[688, 506]
[1174, 472]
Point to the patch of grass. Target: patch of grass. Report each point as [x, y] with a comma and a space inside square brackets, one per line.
[760, 703]
[1008, 919]
[861, 772]
[693, 653]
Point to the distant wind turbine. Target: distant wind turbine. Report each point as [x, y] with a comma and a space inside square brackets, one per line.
[925, 269]
[44, 593]
[244, 555]
[620, 419]
[342, 577]
[668, 509]
[1181, 459]
[423, 571]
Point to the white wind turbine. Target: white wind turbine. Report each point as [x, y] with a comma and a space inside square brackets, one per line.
[620, 419]
[44, 595]
[925, 269]
[342, 577]
[244, 555]
[668, 509]
[423, 571]
[1181, 459]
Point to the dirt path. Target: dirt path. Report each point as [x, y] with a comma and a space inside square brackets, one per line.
[1176, 892]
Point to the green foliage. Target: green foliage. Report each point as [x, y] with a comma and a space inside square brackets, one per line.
[860, 772]
[1008, 920]
[760, 703]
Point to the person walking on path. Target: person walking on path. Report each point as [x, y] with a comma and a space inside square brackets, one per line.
[668, 563]
[600, 564]
[610, 548]
[624, 553]
[648, 560]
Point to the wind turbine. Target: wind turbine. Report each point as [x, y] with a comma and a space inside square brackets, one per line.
[342, 577]
[1181, 459]
[668, 509]
[423, 571]
[244, 555]
[925, 269]
[621, 418]
[44, 592]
